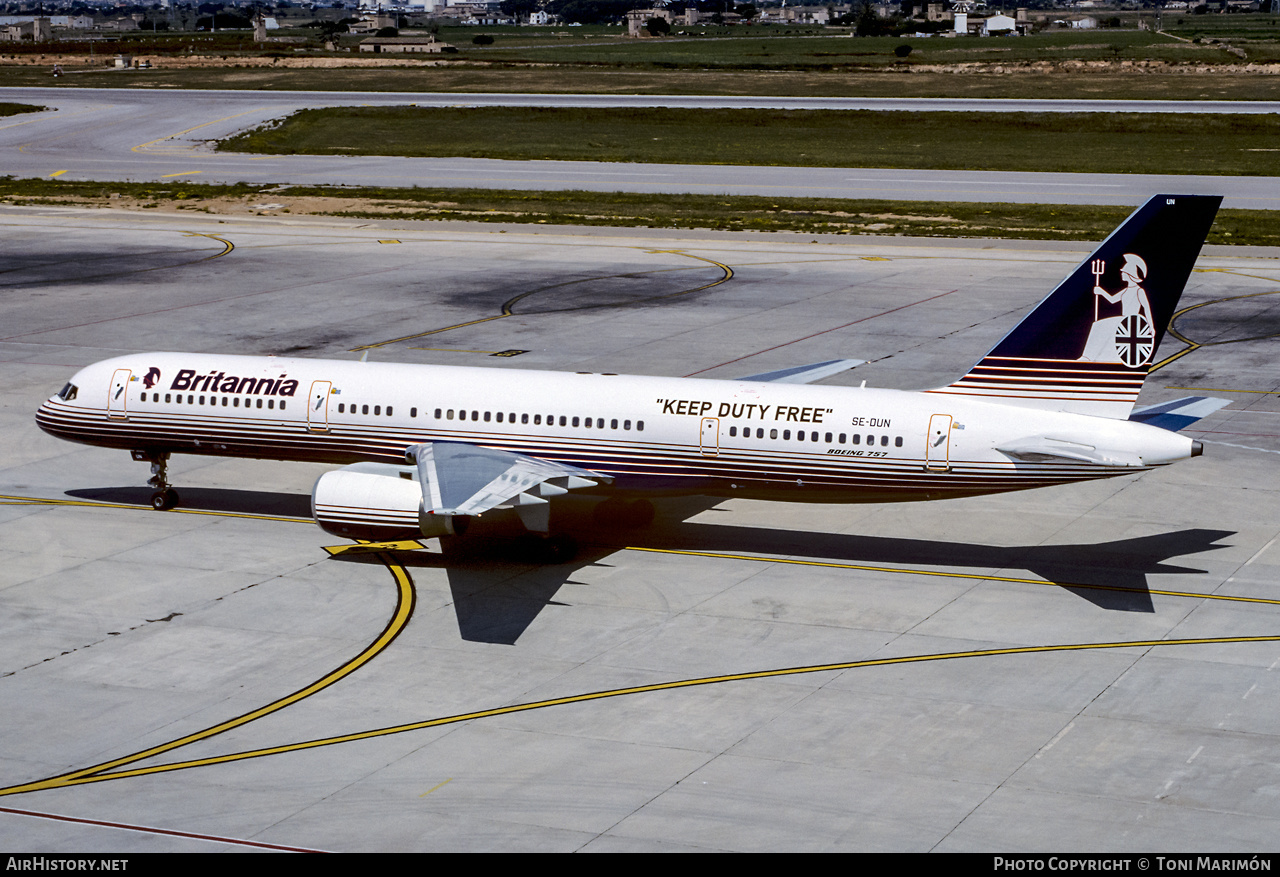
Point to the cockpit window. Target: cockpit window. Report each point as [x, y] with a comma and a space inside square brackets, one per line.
[67, 393]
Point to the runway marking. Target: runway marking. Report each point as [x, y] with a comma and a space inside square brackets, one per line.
[1196, 345]
[182, 174]
[1220, 390]
[436, 786]
[40, 500]
[823, 332]
[955, 575]
[508, 307]
[227, 246]
[142, 146]
[57, 173]
[168, 832]
[82, 779]
[405, 599]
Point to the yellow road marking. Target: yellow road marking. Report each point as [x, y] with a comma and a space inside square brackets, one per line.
[953, 575]
[1196, 345]
[405, 599]
[436, 786]
[1220, 390]
[182, 174]
[142, 146]
[39, 500]
[227, 246]
[57, 173]
[374, 547]
[81, 779]
[509, 305]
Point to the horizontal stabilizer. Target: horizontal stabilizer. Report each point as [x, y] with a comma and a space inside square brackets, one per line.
[1042, 449]
[1180, 413]
[806, 374]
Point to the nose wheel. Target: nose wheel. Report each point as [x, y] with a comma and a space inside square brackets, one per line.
[164, 497]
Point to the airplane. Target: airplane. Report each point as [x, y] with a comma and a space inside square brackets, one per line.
[425, 449]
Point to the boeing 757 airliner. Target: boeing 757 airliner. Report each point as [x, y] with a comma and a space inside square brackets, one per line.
[424, 449]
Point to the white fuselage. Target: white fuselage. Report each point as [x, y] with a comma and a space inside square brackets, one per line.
[669, 435]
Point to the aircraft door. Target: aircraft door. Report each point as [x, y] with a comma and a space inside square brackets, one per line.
[937, 453]
[118, 395]
[710, 436]
[318, 406]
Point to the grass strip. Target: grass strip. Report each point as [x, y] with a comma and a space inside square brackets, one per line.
[1229, 144]
[638, 210]
[12, 109]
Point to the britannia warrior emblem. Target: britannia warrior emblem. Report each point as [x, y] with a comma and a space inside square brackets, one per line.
[1130, 337]
[152, 376]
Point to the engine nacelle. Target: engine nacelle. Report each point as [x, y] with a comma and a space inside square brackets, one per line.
[377, 501]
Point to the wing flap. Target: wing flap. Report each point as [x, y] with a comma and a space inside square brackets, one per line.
[464, 479]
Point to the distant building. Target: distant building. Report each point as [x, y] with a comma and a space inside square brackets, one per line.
[409, 45]
[999, 24]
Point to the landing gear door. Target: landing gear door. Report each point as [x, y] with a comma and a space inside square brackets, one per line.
[318, 406]
[710, 436]
[937, 454]
[118, 395]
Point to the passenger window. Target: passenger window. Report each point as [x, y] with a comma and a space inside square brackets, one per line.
[388, 410]
[626, 424]
[897, 443]
[773, 433]
[413, 412]
[639, 425]
[537, 420]
[884, 441]
[871, 440]
[857, 439]
[613, 424]
[575, 421]
[524, 418]
[733, 432]
[827, 438]
[786, 435]
[563, 419]
[450, 414]
[475, 415]
[486, 416]
[377, 409]
[842, 438]
[235, 402]
[499, 416]
[259, 405]
[342, 408]
[281, 404]
[167, 397]
[439, 412]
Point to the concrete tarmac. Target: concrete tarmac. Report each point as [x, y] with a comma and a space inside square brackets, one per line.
[152, 135]
[1085, 668]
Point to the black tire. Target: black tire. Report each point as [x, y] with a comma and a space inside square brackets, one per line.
[163, 500]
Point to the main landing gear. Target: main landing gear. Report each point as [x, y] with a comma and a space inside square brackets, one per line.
[164, 497]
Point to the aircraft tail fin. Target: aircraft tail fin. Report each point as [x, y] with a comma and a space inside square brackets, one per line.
[1087, 347]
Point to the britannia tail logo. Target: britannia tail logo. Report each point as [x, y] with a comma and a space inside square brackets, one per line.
[1129, 336]
[152, 377]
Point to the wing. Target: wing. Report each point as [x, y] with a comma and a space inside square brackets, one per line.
[806, 374]
[1180, 413]
[463, 479]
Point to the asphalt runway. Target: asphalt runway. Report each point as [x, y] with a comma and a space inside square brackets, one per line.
[1086, 668]
[156, 135]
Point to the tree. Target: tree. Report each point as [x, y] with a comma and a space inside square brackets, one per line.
[658, 26]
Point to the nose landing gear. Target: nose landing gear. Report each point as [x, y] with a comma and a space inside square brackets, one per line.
[164, 497]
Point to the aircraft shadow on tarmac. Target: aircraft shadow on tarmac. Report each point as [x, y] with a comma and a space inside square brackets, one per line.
[498, 591]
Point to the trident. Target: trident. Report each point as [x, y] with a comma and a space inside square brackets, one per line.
[1099, 267]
